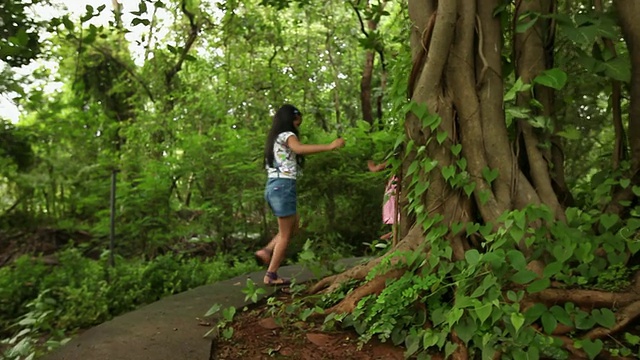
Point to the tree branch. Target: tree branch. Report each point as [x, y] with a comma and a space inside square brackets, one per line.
[194, 29]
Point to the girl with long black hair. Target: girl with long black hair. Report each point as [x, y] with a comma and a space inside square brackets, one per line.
[283, 158]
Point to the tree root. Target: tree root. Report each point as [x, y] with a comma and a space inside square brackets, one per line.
[586, 298]
[623, 317]
[331, 283]
[375, 286]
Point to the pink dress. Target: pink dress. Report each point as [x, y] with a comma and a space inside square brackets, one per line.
[389, 210]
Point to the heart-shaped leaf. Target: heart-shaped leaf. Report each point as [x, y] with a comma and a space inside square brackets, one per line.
[465, 330]
[456, 228]
[421, 187]
[468, 189]
[441, 136]
[486, 229]
[516, 234]
[552, 269]
[484, 196]
[448, 172]
[429, 339]
[549, 322]
[489, 174]
[517, 320]
[517, 259]
[472, 228]
[462, 164]
[561, 253]
[634, 246]
[533, 313]
[561, 315]
[483, 311]
[625, 183]
[429, 165]
[449, 348]
[412, 344]
[636, 190]
[472, 256]
[604, 317]
[455, 149]
[523, 277]
[609, 220]
[538, 285]
[592, 348]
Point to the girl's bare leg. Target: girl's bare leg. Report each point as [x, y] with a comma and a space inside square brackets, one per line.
[266, 252]
[286, 227]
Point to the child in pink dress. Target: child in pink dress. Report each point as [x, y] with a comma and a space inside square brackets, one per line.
[390, 214]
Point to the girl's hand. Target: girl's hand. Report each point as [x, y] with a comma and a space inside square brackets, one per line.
[372, 166]
[337, 143]
[375, 168]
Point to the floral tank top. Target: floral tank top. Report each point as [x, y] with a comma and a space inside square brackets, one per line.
[285, 160]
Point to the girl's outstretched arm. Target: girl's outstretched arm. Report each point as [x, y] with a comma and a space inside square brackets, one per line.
[307, 149]
[375, 168]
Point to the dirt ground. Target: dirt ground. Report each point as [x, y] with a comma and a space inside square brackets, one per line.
[257, 335]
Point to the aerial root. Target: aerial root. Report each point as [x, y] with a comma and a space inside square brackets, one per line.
[375, 286]
[333, 282]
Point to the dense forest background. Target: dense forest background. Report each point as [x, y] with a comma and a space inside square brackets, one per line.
[168, 105]
[135, 167]
[183, 119]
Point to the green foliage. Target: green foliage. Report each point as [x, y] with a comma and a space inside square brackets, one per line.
[186, 134]
[185, 129]
[615, 278]
[80, 292]
[14, 145]
[476, 299]
[223, 321]
[19, 39]
[252, 291]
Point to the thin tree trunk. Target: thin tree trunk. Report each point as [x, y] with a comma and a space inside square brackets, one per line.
[336, 81]
[531, 60]
[628, 14]
[365, 87]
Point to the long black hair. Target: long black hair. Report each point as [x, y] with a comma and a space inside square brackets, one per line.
[282, 122]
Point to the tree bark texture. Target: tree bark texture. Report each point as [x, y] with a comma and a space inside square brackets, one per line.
[628, 12]
[457, 73]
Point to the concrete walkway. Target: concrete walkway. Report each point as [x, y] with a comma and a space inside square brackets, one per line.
[168, 329]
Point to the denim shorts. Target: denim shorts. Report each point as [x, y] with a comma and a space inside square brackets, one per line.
[281, 195]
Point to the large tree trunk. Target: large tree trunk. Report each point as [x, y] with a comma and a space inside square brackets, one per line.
[457, 74]
[474, 170]
[628, 13]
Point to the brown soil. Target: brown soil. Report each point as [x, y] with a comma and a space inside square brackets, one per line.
[258, 335]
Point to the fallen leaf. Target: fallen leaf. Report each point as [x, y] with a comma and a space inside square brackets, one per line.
[269, 323]
[321, 340]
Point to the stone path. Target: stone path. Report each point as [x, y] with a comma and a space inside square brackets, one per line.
[169, 328]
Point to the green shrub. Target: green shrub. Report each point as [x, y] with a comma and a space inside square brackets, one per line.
[39, 300]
